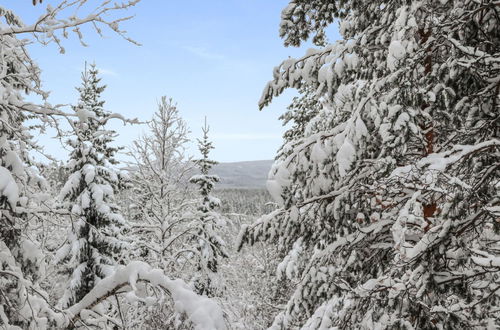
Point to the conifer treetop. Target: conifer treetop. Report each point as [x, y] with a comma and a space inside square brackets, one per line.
[204, 180]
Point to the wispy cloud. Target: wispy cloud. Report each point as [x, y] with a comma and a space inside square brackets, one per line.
[102, 71]
[204, 53]
[245, 136]
[107, 72]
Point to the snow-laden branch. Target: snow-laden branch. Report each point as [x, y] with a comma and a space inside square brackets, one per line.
[47, 24]
[125, 121]
[203, 312]
[475, 52]
[441, 161]
[328, 196]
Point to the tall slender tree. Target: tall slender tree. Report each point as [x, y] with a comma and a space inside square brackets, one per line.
[160, 173]
[390, 199]
[94, 243]
[207, 223]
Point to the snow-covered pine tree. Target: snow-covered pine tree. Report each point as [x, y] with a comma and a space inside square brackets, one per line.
[95, 239]
[207, 223]
[390, 199]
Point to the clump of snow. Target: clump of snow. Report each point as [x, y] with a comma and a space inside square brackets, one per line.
[345, 157]
[396, 52]
[278, 177]
[339, 67]
[84, 114]
[89, 173]
[351, 60]
[11, 160]
[8, 186]
[288, 267]
[318, 154]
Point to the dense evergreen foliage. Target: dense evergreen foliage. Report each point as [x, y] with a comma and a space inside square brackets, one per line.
[389, 197]
[206, 222]
[95, 240]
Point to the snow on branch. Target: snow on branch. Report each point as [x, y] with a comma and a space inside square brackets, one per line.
[440, 161]
[203, 312]
[125, 121]
[328, 196]
[47, 24]
[475, 52]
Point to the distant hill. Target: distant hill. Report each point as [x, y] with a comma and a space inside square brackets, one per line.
[236, 175]
[245, 175]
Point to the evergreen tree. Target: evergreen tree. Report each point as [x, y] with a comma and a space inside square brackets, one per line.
[390, 201]
[207, 222]
[94, 243]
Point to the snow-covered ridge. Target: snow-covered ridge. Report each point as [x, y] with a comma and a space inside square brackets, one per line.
[243, 175]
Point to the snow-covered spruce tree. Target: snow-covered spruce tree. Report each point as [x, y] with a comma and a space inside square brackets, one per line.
[95, 239]
[390, 200]
[206, 224]
[161, 195]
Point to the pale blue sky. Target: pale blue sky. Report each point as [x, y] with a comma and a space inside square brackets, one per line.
[212, 57]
